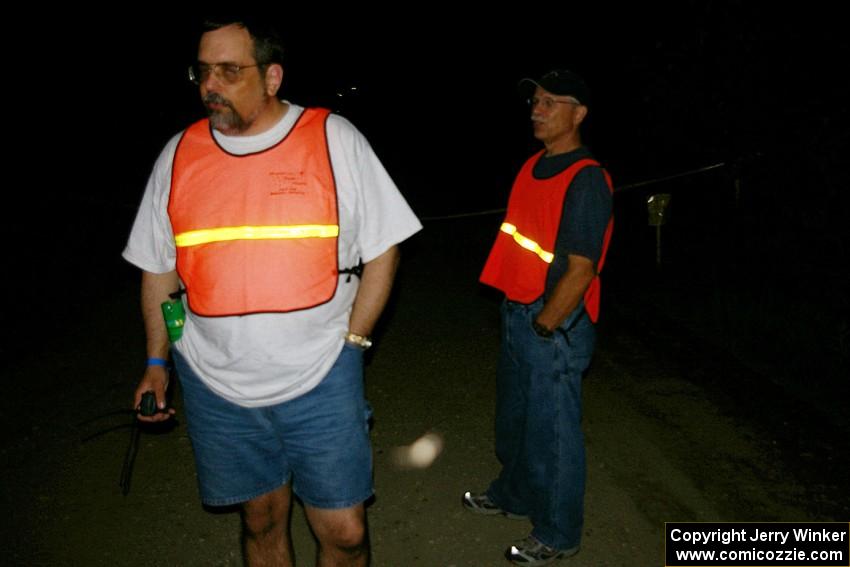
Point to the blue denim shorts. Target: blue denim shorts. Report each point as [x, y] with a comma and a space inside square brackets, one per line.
[319, 441]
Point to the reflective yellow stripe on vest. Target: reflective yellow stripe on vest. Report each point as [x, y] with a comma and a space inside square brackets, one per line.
[207, 235]
[527, 243]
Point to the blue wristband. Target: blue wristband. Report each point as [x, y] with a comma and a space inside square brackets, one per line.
[157, 362]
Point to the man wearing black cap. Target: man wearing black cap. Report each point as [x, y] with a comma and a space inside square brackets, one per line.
[546, 260]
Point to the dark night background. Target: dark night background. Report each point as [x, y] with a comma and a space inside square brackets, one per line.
[755, 256]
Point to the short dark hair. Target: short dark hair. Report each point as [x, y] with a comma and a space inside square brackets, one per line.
[268, 47]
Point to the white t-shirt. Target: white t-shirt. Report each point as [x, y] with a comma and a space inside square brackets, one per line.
[267, 358]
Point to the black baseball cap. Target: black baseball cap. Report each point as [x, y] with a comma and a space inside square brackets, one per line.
[561, 82]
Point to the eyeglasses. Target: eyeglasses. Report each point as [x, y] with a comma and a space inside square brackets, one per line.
[548, 103]
[226, 72]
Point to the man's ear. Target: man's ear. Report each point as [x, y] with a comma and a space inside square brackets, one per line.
[274, 78]
[581, 113]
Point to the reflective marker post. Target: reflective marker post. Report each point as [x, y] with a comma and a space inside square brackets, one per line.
[658, 214]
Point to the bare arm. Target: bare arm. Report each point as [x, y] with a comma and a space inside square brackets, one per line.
[374, 291]
[568, 292]
[155, 290]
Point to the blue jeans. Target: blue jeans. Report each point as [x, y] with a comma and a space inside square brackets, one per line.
[539, 440]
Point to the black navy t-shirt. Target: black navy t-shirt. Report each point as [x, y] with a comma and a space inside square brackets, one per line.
[586, 212]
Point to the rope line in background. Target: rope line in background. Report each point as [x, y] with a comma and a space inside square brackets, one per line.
[617, 191]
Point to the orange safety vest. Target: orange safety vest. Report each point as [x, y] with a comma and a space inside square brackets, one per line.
[524, 248]
[256, 233]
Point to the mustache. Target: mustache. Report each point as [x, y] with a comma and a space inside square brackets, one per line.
[215, 98]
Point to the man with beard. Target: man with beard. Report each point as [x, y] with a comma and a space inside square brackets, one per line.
[546, 258]
[263, 213]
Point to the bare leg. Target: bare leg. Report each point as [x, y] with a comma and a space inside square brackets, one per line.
[342, 535]
[265, 530]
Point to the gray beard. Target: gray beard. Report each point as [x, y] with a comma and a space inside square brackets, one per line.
[228, 122]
